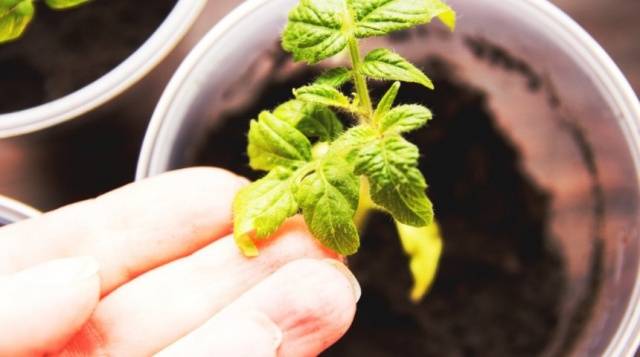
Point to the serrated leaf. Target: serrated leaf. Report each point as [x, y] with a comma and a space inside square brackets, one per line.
[445, 14]
[290, 111]
[328, 198]
[314, 30]
[322, 94]
[64, 4]
[321, 123]
[313, 120]
[274, 142]
[423, 245]
[384, 64]
[262, 207]
[386, 103]
[397, 185]
[404, 118]
[319, 29]
[348, 144]
[380, 17]
[15, 16]
[335, 77]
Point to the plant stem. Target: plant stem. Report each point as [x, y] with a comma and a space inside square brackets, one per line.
[365, 205]
[360, 81]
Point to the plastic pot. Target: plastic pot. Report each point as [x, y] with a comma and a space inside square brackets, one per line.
[556, 96]
[112, 84]
[13, 211]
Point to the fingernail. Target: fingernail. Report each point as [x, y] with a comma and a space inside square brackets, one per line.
[357, 291]
[67, 270]
[268, 325]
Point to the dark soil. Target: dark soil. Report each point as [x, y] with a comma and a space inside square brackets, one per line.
[500, 285]
[63, 51]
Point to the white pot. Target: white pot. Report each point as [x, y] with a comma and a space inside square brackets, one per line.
[13, 211]
[113, 83]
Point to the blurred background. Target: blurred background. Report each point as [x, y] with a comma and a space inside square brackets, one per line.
[615, 25]
[86, 157]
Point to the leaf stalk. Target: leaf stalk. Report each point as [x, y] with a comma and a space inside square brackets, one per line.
[359, 79]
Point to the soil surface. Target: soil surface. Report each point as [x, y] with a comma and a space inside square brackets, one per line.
[63, 51]
[500, 284]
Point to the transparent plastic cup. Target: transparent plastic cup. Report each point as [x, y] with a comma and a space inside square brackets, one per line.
[12, 211]
[115, 82]
[555, 94]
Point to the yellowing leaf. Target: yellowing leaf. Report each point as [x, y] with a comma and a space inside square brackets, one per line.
[445, 13]
[424, 247]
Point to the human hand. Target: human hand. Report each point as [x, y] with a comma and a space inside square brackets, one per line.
[152, 268]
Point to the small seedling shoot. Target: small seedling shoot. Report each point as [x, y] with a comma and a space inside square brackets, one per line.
[15, 15]
[336, 176]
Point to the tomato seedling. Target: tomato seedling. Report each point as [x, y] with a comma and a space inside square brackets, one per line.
[334, 175]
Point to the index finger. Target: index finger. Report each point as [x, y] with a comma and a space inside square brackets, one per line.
[132, 229]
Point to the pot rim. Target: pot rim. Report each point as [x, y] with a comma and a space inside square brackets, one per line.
[13, 211]
[111, 84]
[605, 71]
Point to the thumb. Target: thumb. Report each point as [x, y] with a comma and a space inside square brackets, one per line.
[42, 307]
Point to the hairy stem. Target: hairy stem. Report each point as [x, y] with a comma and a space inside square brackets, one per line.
[365, 205]
[359, 80]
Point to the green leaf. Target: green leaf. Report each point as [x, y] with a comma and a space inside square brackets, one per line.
[329, 199]
[404, 118]
[386, 103]
[314, 30]
[335, 77]
[322, 94]
[397, 185]
[423, 245]
[313, 120]
[321, 123]
[319, 29]
[380, 17]
[274, 142]
[290, 111]
[64, 4]
[348, 144]
[8, 5]
[384, 64]
[262, 207]
[14, 18]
